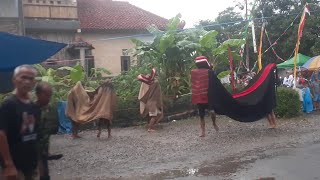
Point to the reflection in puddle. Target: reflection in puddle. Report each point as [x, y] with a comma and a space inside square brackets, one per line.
[192, 171]
[225, 167]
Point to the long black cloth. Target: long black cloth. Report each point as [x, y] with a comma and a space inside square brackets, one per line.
[246, 107]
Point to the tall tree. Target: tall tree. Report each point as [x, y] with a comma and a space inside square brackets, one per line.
[286, 14]
[227, 24]
[279, 15]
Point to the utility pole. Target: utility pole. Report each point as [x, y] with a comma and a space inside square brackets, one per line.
[21, 18]
[247, 43]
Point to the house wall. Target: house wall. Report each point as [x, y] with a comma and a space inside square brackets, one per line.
[10, 25]
[51, 11]
[9, 17]
[59, 36]
[9, 8]
[108, 52]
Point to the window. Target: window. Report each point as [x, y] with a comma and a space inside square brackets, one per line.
[125, 63]
[89, 64]
[58, 2]
[29, 1]
[44, 2]
[124, 52]
[51, 2]
[88, 52]
[37, 1]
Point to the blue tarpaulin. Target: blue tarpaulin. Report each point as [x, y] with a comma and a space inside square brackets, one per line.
[65, 126]
[6, 84]
[17, 50]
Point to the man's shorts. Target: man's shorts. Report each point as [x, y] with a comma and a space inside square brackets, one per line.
[316, 97]
[202, 109]
[156, 113]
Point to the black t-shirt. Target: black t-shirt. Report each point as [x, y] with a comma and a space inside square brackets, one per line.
[20, 122]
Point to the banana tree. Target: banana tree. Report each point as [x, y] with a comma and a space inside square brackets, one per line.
[174, 50]
[64, 78]
[170, 52]
[218, 53]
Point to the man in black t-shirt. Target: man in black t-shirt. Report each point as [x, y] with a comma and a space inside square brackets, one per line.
[19, 119]
[44, 92]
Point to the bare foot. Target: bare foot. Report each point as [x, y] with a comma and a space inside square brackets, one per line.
[272, 127]
[215, 127]
[109, 136]
[76, 136]
[151, 130]
[202, 135]
[99, 133]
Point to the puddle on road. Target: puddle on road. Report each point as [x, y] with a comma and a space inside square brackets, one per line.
[221, 168]
[201, 172]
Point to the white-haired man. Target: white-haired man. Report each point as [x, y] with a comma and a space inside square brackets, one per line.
[19, 127]
[288, 79]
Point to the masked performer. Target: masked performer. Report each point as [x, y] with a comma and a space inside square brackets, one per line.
[84, 107]
[150, 98]
[199, 80]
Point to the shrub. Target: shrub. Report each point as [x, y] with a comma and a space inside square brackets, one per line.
[177, 105]
[288, 103]
[128, 113]
[239, 88]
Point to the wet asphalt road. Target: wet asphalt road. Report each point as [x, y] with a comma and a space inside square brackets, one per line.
[298, 163]
[239, 151]
[301, 163]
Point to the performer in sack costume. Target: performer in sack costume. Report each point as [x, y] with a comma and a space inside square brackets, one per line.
[199, 80]
[150, 98]
[84, 107]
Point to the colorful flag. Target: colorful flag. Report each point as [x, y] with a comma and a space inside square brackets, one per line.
[260, 48]
[300, 30]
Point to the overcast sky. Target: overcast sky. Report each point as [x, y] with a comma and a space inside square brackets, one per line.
[191, 10]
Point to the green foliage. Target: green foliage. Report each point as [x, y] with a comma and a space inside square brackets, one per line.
[218, 52]
[209, 40]
[222, 24]
[174, 23]
[127, 112]
[279, 10]
[316, 48]
[176, 105]
[64, 78]
[288, 103]
[232, 43]
[282, 14]
[3, 96]
[238, 88]
[172, 52]
[127, 85]
[223, 74]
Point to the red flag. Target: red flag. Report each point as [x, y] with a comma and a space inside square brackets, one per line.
[301, 26]
[302, 23]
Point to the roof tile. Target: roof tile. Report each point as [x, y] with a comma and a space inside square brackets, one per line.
[115, 15]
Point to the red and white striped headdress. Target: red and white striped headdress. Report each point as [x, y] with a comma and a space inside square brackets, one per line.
[202, 62]
[148, 80]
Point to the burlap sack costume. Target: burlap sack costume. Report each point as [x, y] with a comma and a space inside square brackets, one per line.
[83, 107]
[150, 98]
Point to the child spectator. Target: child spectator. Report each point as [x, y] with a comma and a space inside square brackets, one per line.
[307, 99]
